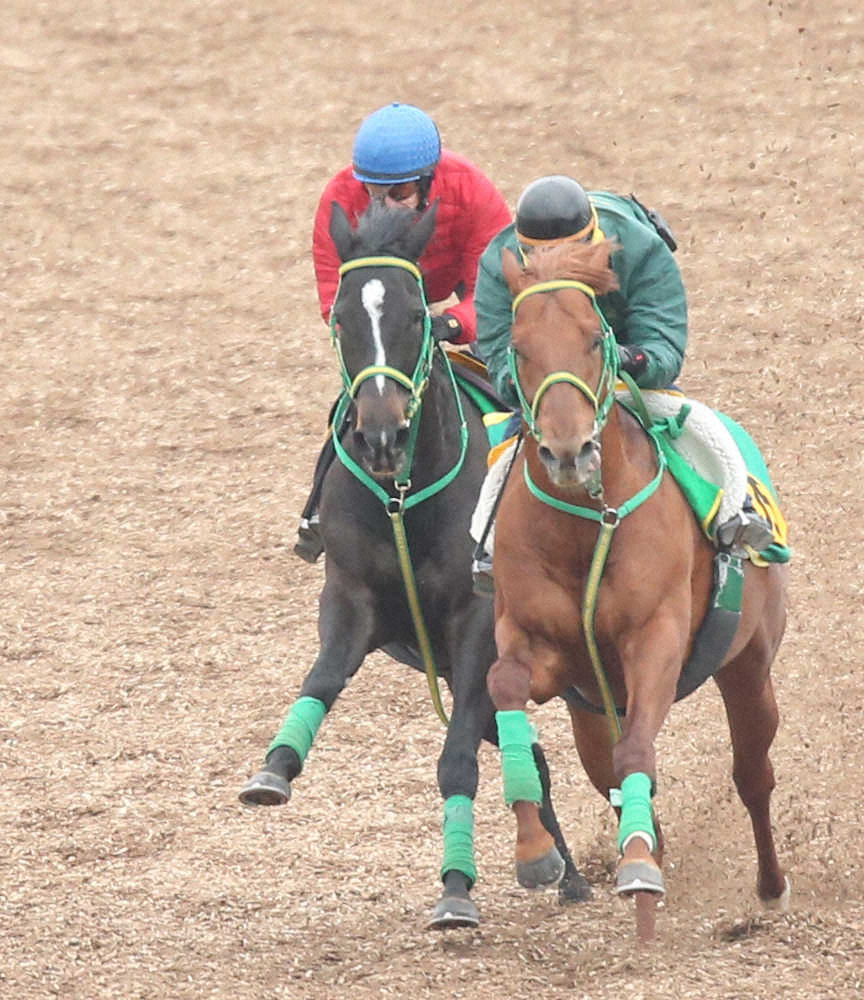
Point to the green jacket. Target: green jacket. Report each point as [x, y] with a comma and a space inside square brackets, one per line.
[649, 310]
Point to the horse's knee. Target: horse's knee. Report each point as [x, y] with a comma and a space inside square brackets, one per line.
[509, 684]
[631, 756]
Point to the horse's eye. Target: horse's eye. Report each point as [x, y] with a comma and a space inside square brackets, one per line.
[598, 342]
[419, 315]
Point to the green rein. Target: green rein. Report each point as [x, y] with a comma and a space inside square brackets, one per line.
[396, 505]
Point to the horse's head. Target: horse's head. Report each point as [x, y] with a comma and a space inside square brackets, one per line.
[563, 356]
[380, 327]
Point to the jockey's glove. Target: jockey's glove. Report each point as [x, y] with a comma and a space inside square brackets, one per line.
[632, 360]
[446, 327]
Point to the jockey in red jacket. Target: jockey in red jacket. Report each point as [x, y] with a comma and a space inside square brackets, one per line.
[390, 154]
[398, 159]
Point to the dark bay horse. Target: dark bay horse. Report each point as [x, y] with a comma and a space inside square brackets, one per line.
[590, 485]
[412, 458]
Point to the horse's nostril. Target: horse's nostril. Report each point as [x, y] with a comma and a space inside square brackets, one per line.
[545, 454]
[360, 439]
[401, 441]
[587, 451]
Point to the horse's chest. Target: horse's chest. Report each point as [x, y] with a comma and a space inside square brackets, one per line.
[555, 637]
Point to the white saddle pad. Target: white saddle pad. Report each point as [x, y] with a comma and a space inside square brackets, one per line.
[488, 494]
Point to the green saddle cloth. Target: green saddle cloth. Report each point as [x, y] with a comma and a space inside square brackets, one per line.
[704, 496]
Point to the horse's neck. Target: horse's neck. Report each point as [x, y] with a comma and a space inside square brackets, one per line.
[629, 459]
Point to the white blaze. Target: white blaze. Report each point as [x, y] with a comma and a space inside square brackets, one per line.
[372, 296]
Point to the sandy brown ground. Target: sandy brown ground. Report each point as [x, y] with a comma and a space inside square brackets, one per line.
[165, 380]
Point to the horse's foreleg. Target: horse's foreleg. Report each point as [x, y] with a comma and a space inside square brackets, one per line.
[344, 628]
[652, 661]
[538, 862]
[593, 741]
[751, 710]
[458, 773]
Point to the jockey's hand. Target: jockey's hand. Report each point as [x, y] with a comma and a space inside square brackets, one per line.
[446, 327]
[632, 360]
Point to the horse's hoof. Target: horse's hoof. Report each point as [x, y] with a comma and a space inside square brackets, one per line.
[541, 872]
[639, 876]
[266, 789]
[574, 889]
[783, 902]
[454, 911]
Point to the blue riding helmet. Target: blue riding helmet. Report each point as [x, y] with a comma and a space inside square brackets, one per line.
[396, 143]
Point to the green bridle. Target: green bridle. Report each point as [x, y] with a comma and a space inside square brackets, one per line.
[601, 398]
[416, 384]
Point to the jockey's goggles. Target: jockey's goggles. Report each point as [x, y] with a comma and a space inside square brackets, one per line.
[395, 192]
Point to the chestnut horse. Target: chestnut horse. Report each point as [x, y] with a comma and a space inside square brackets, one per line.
[602, 580]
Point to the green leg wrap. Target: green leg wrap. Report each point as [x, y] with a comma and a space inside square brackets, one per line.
[636, 814]
[515, 738]
[299, 728]
[459, 837]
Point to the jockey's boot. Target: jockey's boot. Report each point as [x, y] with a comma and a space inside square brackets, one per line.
[309, 545]
[481, 570]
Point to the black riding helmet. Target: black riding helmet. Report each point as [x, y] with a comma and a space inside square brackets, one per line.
[553, 208]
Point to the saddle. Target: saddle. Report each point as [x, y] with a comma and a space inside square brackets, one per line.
[717, 465]
[472, 377]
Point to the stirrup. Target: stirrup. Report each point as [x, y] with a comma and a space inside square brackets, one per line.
[309, 544]
[481, 571]
[745, 528]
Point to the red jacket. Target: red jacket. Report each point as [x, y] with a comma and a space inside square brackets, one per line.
[470, 212]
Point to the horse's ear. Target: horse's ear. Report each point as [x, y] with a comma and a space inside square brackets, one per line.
[341, 231]
[512, 270]
[420, 233]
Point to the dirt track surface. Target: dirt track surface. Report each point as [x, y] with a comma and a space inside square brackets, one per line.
[166, 379]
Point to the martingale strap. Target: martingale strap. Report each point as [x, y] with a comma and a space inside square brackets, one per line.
[609, 518]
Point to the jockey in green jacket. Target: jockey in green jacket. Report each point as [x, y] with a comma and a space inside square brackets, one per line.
[649, 311]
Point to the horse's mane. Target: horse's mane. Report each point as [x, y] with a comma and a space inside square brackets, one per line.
[383, 230]
[585, 262]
